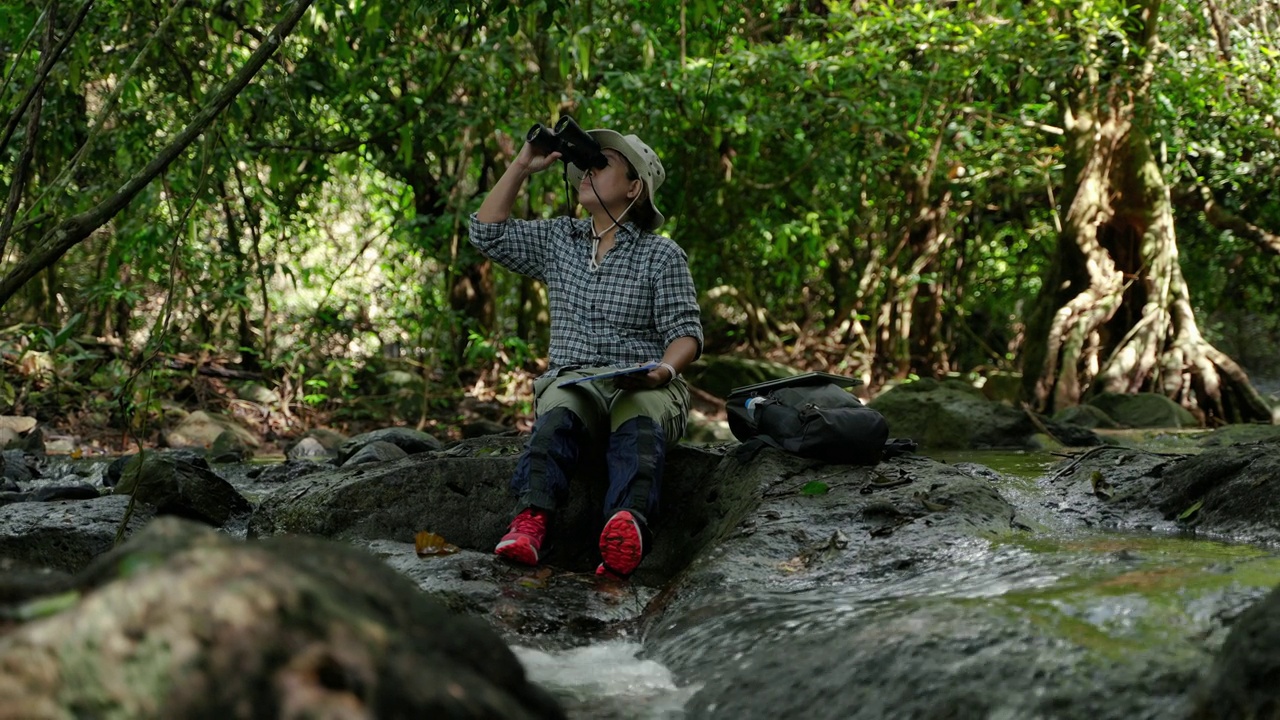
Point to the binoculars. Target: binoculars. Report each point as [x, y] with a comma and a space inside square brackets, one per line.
[572, 142]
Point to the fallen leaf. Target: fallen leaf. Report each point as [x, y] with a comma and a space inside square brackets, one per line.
[1195, 508]
[429, 543]
[795, 564]
[814, 488]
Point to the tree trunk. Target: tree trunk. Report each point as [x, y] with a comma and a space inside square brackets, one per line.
[246, 340]
[1115, 312]
[911, 315]
[928, 354]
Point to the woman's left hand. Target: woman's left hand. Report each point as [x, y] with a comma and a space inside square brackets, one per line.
[653, 379]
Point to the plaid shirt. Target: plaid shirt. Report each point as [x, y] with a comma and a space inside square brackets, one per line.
[626, 312]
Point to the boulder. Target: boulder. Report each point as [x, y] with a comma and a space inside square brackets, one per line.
[328, 442]
[19, 424]
[1240, 434]
[111, 477]
[719, 374]
[286, 471]
[462, 495]
[954, 415]
[79, 491]
[175, 487]
[840, 531]
[200, 429]
[378, 451]
[228, 447]
[1230, 492]
[18, 466]
[65, 535]
[1144, 410]
[1002, 387]
[1242, 681]
[1089, 416]
[410, 440]
[184, 622]
[482, 427]
[307, 447]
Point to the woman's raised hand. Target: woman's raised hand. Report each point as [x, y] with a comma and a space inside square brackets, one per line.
[534, 159]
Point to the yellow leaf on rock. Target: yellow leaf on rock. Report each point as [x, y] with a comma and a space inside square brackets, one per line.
[429, 543]
[794, 565]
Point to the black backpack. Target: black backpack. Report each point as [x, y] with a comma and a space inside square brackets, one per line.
[812, 416]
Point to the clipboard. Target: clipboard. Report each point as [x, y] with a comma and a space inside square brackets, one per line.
[809, 378]
[610, 374]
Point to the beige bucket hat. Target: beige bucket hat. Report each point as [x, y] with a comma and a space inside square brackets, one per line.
[642, 158]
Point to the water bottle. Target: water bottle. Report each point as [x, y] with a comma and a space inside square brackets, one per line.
[752, 402]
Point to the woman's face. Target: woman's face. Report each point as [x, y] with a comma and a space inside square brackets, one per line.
[609, 183]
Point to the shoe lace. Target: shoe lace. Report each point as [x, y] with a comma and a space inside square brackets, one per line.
[529, 523]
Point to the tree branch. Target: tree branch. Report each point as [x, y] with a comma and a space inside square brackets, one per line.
[46, 64]
[19, 183]
[77, 228]
[1219, 29]
[26, 43]
[1201, 198]
[109, 106]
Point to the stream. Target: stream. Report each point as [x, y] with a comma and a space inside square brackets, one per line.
[1060, 621]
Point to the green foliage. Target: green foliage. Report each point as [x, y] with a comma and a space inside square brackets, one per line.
[807, 145]
[815, 487]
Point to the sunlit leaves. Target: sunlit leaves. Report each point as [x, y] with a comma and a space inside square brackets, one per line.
[801, 141]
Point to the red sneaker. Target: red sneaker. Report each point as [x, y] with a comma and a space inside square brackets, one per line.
[621, 546]
[524, 538]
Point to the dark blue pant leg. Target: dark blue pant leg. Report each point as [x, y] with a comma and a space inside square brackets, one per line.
[637, 451]
[541, 479]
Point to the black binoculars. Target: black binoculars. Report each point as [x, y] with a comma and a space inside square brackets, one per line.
[572, 142]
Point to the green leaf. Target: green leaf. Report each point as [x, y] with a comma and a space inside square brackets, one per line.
[373, 20]
[1189, 512]
[60, 338]
[814, 488]
[46, 606]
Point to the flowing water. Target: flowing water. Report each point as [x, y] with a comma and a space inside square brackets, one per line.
[1065, 615]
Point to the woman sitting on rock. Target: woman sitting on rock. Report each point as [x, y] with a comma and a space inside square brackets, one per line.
[619, 296]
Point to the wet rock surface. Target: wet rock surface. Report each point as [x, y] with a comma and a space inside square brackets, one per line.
[783, 587]
[901, 602]
[1242, 682]
[462, 495]
[182, 621]
[950, 414]
[1229, 492]
[64, 535]
[176, 487]
[802, 656]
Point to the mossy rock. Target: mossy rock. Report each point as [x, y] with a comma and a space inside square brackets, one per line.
[1144, 410]
[1089, 416]
[720, 374]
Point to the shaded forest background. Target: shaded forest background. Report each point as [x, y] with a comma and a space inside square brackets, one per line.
[263, 206]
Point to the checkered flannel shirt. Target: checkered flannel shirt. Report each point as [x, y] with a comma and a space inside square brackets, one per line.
[626, 312]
